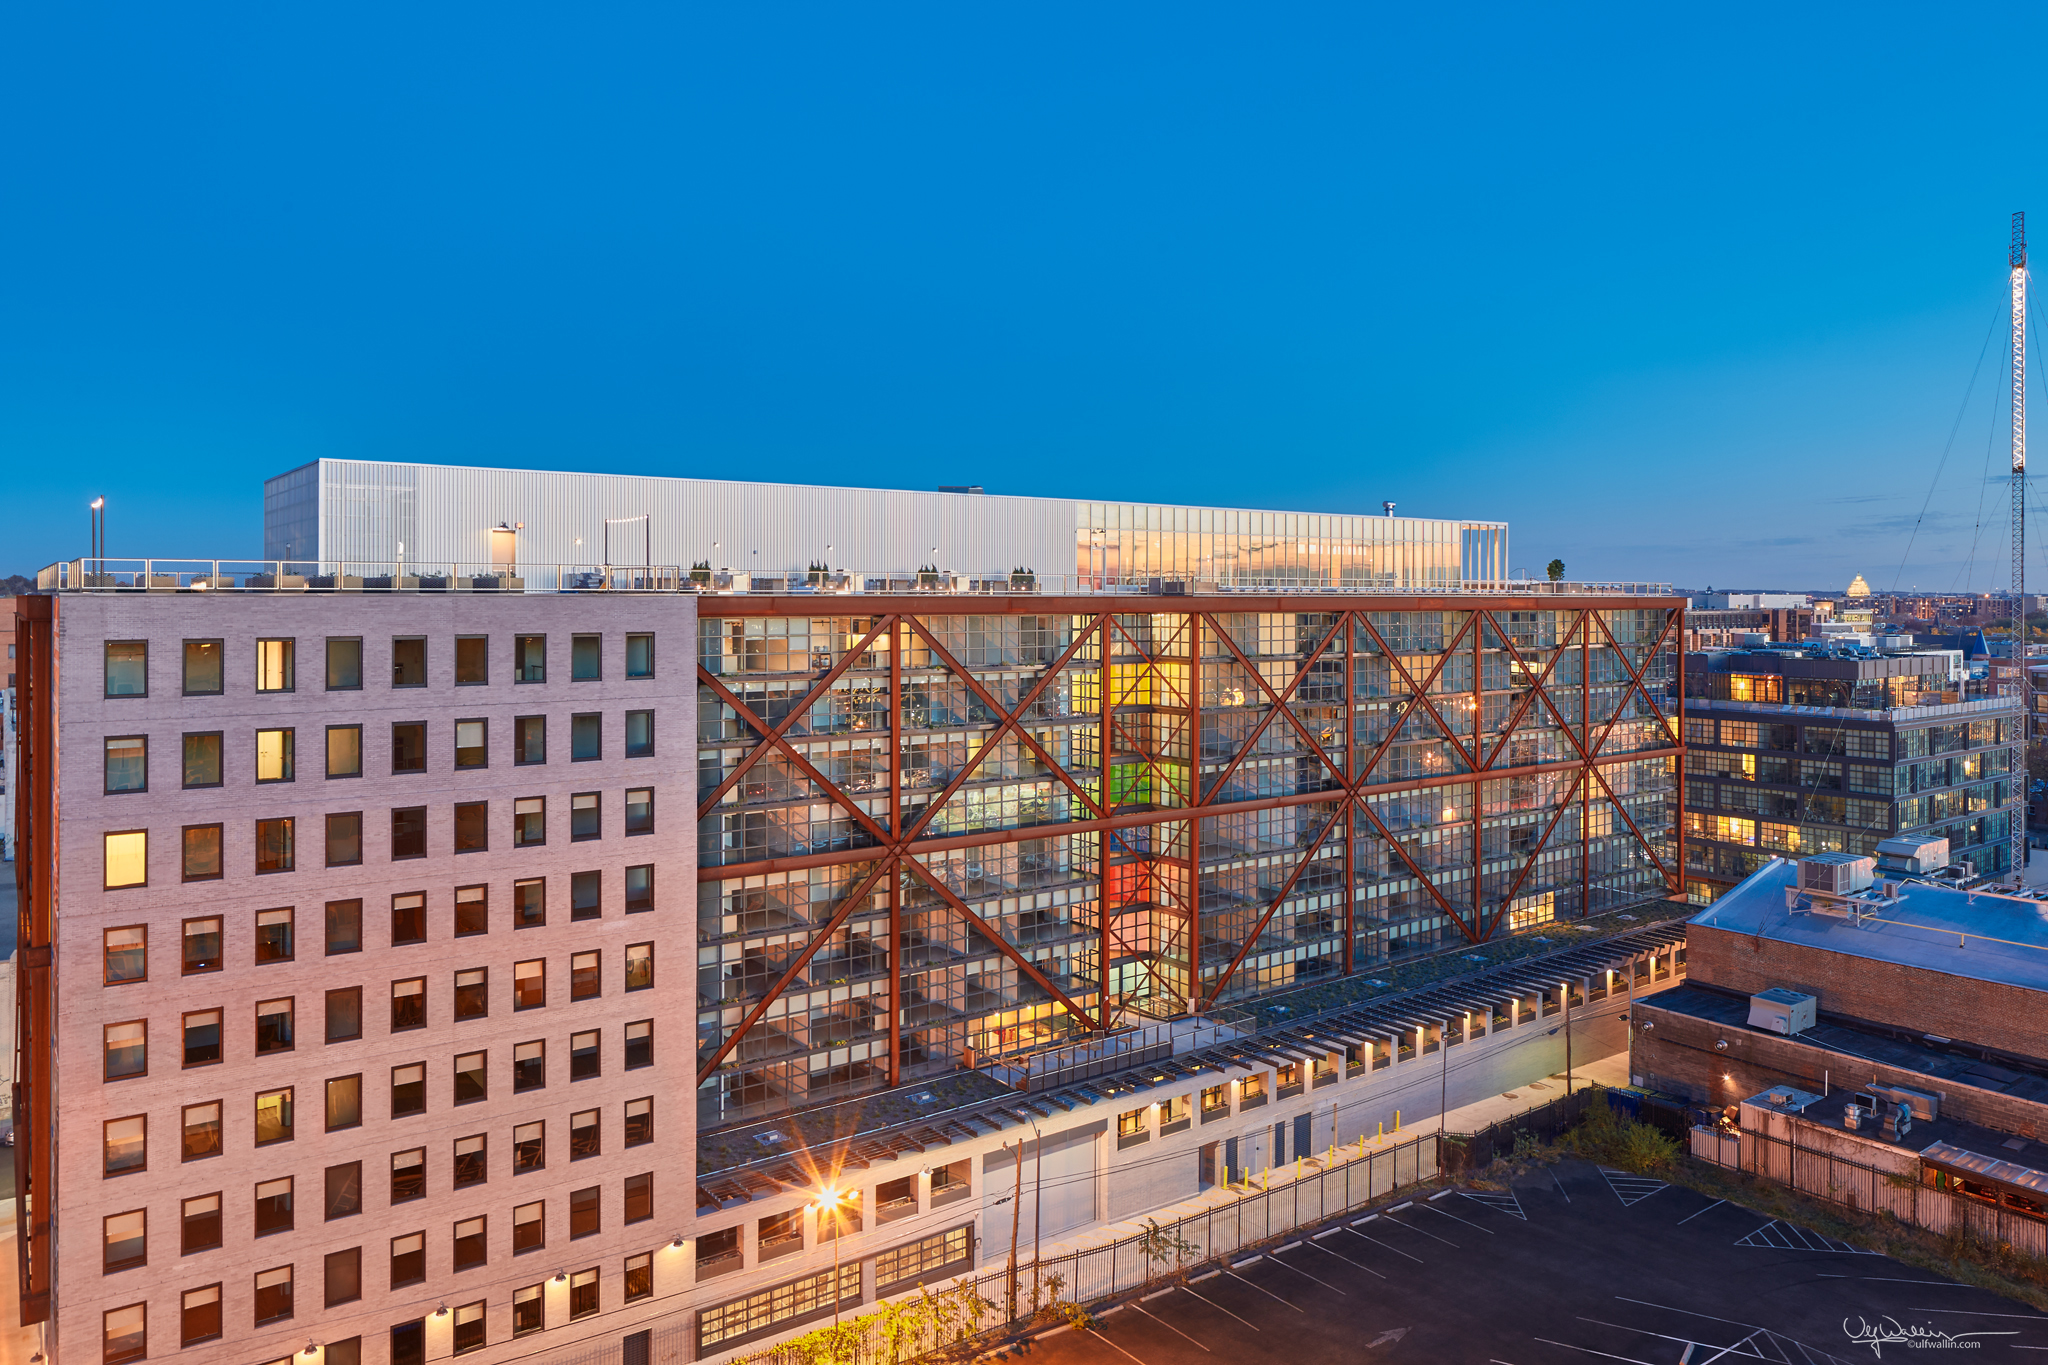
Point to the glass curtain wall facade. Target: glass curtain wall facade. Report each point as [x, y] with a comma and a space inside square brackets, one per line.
[1130, 542]
[929, 838]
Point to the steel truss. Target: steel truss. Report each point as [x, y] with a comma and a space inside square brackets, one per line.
[901, 848]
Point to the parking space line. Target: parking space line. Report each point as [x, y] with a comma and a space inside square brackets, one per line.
[1690, 1344]
[1378, 1243]
[1348, 1261]
[1432, 1236]
[1267, 1292]
[1167, 1325]
[1431, 1208]
[1306, 1276]
[1560, 1189]
[1974, 1313]
[1103, 1337]
[1591, 1352]
[1220, 1308]
[1690, 1216]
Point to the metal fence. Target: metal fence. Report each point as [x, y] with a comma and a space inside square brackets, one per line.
[1465, 1152]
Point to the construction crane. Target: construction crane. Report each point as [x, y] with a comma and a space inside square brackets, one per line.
[2016, 262]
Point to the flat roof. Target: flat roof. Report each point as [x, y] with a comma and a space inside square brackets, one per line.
[1974, 934]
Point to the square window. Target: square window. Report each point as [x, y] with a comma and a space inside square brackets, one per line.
[582, 1293]
[203, 759]
[586, 656]
[529, 658]
[344, 1103]
[529, 1310]
[344, 927]
[584, 1059]
[125, 1145]
[344, 664]
[529, 903]
[344, 1190]
[530, 984]
[274, 851]
[199, 1220]
[409, 661]
[408, 1004]
[529, 1148]
[586, 737]
[529, 821]
[274, 665]
[409, 918]
[584, 1216]
[469, 1325]
[585, 817]
[126, 768]
[639, 1121]
[639, 656]
[529, 1227]
[199, 1317]
[472, 826]
[640, 1277]
[472, 1084]
[124, 954]
[273, 1295]
[124, 1334]
[639, 888]
[472, 910]
[200, 853]
[586, 895]
[639, 966]
[585, 1137]
[639, 1198]
[640, 1044]
[201, 949]
[344, 751]
[639, 810]
[127, 668]
[586, 976]
[274, 755]
[344, 1014]
[124, 1241]
[408, 1259]
[345, 1352]
[273, 1026]
[472, 744]
[409, 1342]
[471, 1160]
[409, 746]
[274, 1116]
[200, 1127]
[639, 734]
[529, 739]
[472, 660]
[345, 839]
[126, 1048]
[408, 1090]
[529, 1066]
[202, 1037]
[274, 935]
[127, 859]
[274, 1206]
[342, 1276]
[203, 672]
[408, 1175]
[469, 1243]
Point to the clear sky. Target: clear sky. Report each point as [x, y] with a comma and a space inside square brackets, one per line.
[1683, 293]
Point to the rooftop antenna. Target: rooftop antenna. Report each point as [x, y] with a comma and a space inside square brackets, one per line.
[2016, 263]
[1389, 506]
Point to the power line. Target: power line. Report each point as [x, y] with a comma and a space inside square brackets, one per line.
[1949, 445]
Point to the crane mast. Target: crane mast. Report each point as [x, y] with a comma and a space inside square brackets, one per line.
[2016, 261]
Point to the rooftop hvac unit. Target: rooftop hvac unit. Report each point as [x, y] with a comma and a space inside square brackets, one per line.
[1912, 856]
[1836, 874]
[1778, 1010]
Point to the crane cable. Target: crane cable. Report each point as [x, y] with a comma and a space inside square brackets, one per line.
[1954, 427]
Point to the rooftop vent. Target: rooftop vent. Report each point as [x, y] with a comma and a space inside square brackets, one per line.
[1836, 874]
[1912, 856]
[1781, 1011]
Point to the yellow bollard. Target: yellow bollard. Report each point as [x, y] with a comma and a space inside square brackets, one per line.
[1397, 1121]
[1378, 1136]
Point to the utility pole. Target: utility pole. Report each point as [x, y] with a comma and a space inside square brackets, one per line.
[1037, 1202]
[2016, 262]
[1016, 1218]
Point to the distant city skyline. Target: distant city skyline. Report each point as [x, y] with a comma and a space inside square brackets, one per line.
[1675, 303]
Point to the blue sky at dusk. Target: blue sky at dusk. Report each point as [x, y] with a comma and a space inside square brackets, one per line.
[1683, 295]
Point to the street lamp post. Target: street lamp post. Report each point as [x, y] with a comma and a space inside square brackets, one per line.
[831, 1199]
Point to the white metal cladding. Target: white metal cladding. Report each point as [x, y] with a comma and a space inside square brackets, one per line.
[368, 509]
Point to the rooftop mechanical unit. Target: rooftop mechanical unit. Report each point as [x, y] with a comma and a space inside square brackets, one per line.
[1778, 1010]
[1836, 874]
[1911, 856]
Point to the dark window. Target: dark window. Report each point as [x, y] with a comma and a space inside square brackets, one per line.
[274, 935]
[583, 1293]
[344, 664]
[345, 839]
[201, 951]
[639, 656]
[529, 903]
[408, 1175]
[640, 1044]
[274, 1206]
[469, 1325]
[344, 1103]
[203, 672]
[640, 1277]
[529, 821]
[639, 810]
[472, 910]
[472, 993]
[409, 661]
[583, 1212]
[409, 1342]
[529, 1309]
[584, 1060]
[408, 832]
[200, 1230]
[529, 1066]
[273, 1026]
[202, 759]
[348, 1352]
[408, 1090]
[274, 851]
[586, 1138]
[529, 1147]
[639, 1198]
[472, 660]
[344, 1276]
[530, 984]
[273, 1295]
[199, 1318]
[586, 976]
[126, 765]
[344, 1190]
[639, 1121]
[344, 927]
[529, 1227]
[472, 1083]
[344, 751]
[471, 1164]
[469, 1243]
[639, 734]
[586, 737]
[639, 888]
[529, 658]
[472, 744]
[472, 826]
[127, 668]
[586, 658]
[530, 739]
[585, 817]
[344, 1014]
[409, 746]
[201, 851]
[202, 1037]
[586, 895]
[408, 1004]
[409, 918]
[408, 1265]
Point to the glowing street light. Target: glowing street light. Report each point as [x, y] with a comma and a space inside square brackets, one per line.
[829, 1198]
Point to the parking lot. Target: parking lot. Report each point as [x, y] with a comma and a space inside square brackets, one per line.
[1573, 1265]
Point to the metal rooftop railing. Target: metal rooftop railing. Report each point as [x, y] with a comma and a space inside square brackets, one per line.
[272, 576]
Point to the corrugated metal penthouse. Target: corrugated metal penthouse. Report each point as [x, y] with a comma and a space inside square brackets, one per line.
[940, 827]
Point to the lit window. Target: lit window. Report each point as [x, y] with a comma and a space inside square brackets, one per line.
[127, 859]
[274, 666]
[274, 755]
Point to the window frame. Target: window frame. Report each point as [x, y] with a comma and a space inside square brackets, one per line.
[291, 1109]
[327, 663]
[106, 1146]
[220, 861]
[219, 1107]
[627, 816]
[105, 978]
[220, 756]
[519, 839]
[598, 718]
[519, 758]
[484, 652]
[626, 739]
[483, 900]
[288, 753]
[596, 804]
[268, 828]
[425, 739]
[519, 648]
[631, 636]
[327, 756]
[327, 1015]
[107, 670]
[328, 1125]
[484, 748]
[391, 1094]
[185, 1217]
[220, 664]
[107, 787]
[290, 912]
[290, 660]
[106, 862]
[107, 1077]
[185, 1018]
[327, 848]
[582, 637]
[421, 641]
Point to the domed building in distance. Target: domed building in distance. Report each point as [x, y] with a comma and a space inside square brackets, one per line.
[1857, 587]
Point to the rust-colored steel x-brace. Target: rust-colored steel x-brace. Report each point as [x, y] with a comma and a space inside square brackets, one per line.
[827, 789]
[1003, 945]
[1251, 939]
[1557, 652]
[1278, 700]
[1421, 694]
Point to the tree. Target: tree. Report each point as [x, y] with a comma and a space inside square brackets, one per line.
[1555, 569]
